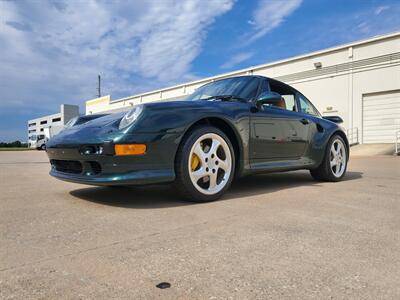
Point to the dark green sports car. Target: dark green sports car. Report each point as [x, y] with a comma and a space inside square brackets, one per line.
[227, 128]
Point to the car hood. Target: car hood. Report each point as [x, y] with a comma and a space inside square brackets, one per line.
[157, 116]
[93, 132]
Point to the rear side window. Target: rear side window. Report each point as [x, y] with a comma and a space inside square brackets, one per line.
[306, 106]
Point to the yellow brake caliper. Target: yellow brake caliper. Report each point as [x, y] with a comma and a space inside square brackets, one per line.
[195, 162]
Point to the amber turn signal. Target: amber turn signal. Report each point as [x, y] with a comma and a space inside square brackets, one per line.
[130, 149]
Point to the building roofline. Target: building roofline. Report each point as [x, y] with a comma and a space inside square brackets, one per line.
[261, 66]
[46, 117]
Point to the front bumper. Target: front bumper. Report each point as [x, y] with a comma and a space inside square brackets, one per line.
[69, 163]
[129, 178]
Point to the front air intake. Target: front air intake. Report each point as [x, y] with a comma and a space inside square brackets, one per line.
[95, 166]
[67, 166]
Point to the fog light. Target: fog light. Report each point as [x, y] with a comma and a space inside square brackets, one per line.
[130, 149]
[91, 149]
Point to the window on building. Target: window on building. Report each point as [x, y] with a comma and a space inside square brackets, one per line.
[43, 122]
[41, 129]
[33, 130]
[56, 120]
[31, 124]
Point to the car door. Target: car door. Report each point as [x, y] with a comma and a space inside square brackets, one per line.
[279, 133]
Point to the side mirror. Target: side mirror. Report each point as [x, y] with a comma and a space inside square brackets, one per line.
[268, 98]
[334, 119]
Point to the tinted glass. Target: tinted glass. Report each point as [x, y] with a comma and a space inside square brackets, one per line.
[306, 106]
[288, 95]
[243, 87]
[289, 102]
[83, 120]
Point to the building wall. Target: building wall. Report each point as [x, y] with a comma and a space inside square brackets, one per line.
[337, 88]
[67, 112]
[36, 126]
[98, 105]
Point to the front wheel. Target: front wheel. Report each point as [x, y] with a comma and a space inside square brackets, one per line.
[334, 164]
[205, 165]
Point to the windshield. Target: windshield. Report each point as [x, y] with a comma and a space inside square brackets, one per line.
[33, 137]
[71, 122]
[85, 119]
[82, 120]
[241, 87]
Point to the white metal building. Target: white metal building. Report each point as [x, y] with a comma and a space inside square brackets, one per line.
[67, 112]
[359, 81]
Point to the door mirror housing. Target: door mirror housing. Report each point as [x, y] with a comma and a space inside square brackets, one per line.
[268, 98]
[334, 119]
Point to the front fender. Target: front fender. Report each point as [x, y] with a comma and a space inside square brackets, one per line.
[181, 116]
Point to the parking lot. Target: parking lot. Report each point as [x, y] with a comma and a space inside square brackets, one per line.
[272, 236]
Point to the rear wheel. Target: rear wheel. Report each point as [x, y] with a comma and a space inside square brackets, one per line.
[334, 164]
[43, 147]
[205, 165]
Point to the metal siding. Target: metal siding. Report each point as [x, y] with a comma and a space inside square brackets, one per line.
[381, 117]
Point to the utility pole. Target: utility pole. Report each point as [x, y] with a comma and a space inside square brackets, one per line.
[98, 86]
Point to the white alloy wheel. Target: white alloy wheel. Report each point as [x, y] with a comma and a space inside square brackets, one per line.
[338, 158]
[210, 164]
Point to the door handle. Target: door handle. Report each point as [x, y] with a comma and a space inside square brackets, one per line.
[304, 121]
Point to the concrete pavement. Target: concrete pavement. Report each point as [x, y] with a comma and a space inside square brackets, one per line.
[279, 236]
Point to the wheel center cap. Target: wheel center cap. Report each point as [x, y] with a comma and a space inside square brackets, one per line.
[211, 164]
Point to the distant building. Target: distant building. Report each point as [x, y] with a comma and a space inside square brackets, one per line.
[67, 112]
[359, 81]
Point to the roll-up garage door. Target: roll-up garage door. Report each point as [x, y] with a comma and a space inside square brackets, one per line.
[381, 117]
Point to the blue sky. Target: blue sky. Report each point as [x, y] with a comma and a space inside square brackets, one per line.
[52, 51]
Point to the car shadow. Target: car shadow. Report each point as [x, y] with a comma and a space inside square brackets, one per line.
[268, 183]
[163, 196]
[139, 197]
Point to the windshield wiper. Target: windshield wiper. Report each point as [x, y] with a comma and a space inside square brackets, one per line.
[225, 98]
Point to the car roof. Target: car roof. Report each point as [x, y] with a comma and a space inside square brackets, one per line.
[242, 76]
[257, 76]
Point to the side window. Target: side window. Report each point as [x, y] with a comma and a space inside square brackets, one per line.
[288, 101]
[306, 106]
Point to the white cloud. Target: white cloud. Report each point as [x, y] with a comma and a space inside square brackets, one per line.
[237, 59]
[380, 9]
[52, 51]
[269, 14]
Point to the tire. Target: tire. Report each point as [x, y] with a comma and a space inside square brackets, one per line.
[334, 164]
[43, 147]
[204, 165]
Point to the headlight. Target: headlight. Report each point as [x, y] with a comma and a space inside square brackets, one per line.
[131, 116]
